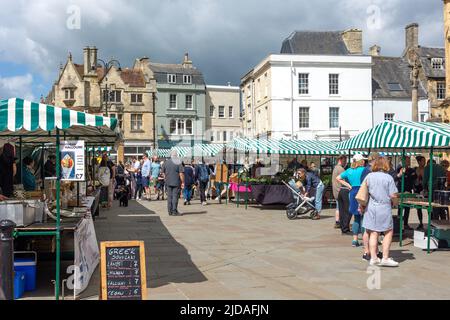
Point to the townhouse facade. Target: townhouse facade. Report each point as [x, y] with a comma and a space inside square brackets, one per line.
[223, 121]
[180, 104]
[314, 89]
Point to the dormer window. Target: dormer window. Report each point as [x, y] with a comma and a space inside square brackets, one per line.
[172, 78]
[437, 63]
[187, 79]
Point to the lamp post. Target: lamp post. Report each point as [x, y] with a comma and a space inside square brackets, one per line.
[104, 97]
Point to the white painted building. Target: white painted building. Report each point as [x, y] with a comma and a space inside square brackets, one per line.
[308, 96]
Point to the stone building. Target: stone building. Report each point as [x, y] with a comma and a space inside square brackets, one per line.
[430, 63]
[125, 94]
[222, 114]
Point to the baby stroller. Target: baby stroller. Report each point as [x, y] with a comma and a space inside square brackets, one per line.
[301, 205]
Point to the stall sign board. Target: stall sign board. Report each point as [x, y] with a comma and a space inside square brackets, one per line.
[123, 273]
[72, 160]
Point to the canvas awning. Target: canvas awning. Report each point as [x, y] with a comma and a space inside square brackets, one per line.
[160, 153]
[399, 135]
[36, 122]
[294, 147]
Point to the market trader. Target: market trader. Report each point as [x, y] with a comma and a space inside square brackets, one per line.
[173, 172]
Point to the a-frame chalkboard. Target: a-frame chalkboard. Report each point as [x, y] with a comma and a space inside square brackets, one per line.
[123, 273]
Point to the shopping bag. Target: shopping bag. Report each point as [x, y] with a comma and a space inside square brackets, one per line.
[363, 194]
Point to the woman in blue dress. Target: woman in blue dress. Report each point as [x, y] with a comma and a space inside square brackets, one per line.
[351, 179]
[378, 214]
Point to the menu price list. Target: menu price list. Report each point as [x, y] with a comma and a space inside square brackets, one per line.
[123, 273]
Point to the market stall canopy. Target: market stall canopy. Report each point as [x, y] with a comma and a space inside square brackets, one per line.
[399, 135]
[102, 149]
[300, 147]
[160, 153]
[293, 147]
[36, 122]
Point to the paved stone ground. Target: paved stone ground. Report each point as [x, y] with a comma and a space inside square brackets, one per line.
[224, 252]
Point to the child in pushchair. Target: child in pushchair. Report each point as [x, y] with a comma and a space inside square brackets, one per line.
[302, 204]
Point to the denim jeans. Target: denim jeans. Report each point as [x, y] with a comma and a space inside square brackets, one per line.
[187, 193]
[319, 194]
[357, 225]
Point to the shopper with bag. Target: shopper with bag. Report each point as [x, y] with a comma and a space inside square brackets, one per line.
[104, 176]
[381, 190]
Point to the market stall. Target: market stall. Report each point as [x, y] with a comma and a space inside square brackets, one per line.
[35, 124]
[413, 136]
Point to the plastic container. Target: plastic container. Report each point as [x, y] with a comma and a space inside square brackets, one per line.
[19, 284]
[26, 261]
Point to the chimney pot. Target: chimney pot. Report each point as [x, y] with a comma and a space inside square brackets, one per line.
[353, 40]
[375, 50]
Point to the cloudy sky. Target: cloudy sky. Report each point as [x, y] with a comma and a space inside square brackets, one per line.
[224, 38]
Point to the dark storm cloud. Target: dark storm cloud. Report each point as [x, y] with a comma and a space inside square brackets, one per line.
[225, 39]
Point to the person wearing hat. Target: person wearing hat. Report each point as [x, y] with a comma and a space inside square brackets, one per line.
[351, 179]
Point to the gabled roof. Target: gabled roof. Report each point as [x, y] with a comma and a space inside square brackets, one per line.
[80, 70]
[315, 42]
[426, 54]
[161, 70]
[386, 70]
[134, 78]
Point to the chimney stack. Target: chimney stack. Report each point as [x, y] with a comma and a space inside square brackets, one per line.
[412, 35]
[187, 63]
[93, 60]
[375, 50]
[353, 40]
[86, 60]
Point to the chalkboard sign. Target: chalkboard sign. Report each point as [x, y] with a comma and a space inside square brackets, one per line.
[123, 270]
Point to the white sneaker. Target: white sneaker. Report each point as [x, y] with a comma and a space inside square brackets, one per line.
[375, 262]
[204, 203]
[389, 262]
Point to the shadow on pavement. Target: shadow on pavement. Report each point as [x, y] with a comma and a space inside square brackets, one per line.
[167, 261]
[401, 255]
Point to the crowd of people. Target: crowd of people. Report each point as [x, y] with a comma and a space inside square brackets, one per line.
[377, 177]
[148, 179]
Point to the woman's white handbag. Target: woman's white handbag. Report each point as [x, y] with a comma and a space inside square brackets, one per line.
[104, 176]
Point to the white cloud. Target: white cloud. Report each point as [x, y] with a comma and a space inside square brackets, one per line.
[224, 38]
[17, 87]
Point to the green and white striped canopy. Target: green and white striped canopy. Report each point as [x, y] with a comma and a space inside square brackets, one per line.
[160, 153]
[399, 135]
[37, 121]
[208, 150]
[107, 149]
[299, 147]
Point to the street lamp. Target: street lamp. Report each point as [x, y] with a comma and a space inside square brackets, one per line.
[104, 97]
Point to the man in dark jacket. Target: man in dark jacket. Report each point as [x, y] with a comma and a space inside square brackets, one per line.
[410, 177]
[202, 173]
[173, 172]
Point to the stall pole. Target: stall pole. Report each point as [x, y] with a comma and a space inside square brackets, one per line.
[20, 160]
[7, 260]
[246, 193]
[430, 194]
[42, 167]
[400, 210]
[58, 215]
[237, 193]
